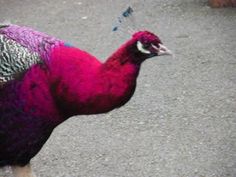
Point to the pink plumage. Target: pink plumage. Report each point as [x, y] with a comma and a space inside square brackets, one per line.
[62, 81]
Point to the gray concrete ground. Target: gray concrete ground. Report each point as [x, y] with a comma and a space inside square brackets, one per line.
[181, 121]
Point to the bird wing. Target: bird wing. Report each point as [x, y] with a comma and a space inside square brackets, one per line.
[20, 48]
[14, 59]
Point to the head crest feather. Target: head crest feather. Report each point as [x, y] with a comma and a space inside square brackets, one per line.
[127, 14]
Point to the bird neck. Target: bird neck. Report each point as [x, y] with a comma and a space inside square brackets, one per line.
[120, 60]
[126, 54]
[90, 87]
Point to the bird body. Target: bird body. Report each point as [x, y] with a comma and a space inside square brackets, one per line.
[44, 81]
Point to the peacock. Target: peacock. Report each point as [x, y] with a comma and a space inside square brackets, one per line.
[44, 81]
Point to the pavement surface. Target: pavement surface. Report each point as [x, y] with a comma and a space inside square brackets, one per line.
[181, 122]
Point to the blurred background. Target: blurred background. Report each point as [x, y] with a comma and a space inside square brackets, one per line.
[181, 122]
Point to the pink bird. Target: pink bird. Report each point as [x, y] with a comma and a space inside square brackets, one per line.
[44, 81]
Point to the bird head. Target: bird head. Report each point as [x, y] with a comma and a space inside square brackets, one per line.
[143, 44]
[147, 45]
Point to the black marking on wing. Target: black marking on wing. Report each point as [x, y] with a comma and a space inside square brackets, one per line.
[14, 59]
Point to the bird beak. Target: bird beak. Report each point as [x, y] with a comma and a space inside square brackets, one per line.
[162, 50]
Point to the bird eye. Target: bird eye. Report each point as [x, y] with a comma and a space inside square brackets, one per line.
[146, 44]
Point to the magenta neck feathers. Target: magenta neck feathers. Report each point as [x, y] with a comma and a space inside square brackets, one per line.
[83, 85]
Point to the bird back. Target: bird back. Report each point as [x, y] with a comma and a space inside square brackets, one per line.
[21, 48]
[14, 59]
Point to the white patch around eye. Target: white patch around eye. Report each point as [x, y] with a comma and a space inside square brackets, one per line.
[142, 49]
